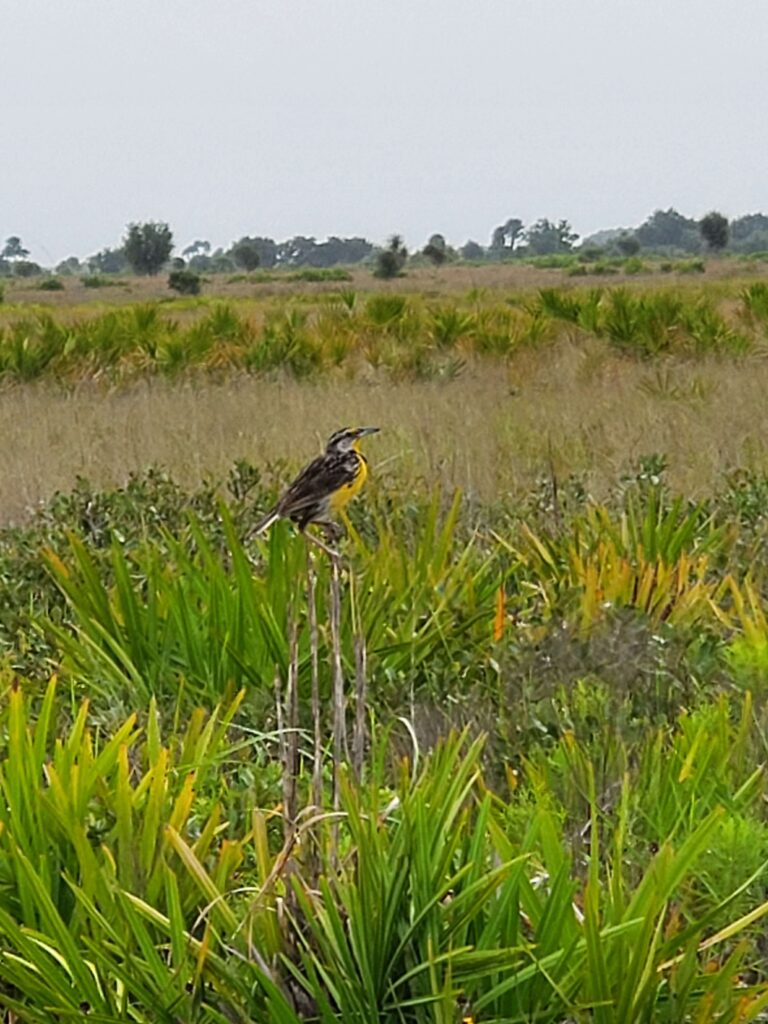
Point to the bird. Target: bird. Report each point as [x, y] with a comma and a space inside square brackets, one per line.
[325, 485]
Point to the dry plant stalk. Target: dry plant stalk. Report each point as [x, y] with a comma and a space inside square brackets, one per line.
[279, 717]
[358, 739]
[314, 646]
[338, 689]
[291, 743]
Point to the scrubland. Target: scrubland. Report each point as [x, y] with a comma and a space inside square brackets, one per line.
[518, 777]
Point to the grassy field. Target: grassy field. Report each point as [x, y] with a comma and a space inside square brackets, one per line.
[505, 761]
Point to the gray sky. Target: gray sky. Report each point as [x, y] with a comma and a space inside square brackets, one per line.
[365, 117]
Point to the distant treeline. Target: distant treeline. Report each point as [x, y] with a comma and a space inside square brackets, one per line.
[148, 247]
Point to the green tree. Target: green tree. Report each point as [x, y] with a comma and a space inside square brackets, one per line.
[336, 250]
[246, 254]
[107, 261]
[545, 237]
[472, 250]
[197, 248]
[668, 229]
[390, 261]
[714, 230]
[750, 233]
[71, 265]
[13, 249]
[436, 250]
[627, 244]
[26, 268]
[296, 252]
[219, 262]
[506, 236]
[185, 282]
[266, 248]
[148, 246]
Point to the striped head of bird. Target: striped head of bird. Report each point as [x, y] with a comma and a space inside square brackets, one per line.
[348, 438]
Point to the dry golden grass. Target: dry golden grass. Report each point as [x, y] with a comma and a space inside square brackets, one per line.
[492, 431]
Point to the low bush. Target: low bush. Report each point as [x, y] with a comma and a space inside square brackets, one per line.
[185, 282]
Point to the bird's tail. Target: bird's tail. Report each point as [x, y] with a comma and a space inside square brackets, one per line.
[263, 524]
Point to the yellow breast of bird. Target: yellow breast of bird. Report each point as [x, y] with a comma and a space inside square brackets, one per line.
[340, 498]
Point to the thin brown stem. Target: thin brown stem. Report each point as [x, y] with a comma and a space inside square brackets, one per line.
[358, 740]
[314, 651]
[291, 743]
[339, 719]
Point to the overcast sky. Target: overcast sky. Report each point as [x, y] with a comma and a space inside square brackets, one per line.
[365, 117]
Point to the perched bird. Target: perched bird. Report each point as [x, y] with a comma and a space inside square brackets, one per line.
[325, 485]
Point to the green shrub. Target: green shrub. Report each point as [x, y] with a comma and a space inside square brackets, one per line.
[390, 261]
[590, 253]
[26, 268]
[553, 261]
[382, 310]
[51, 284]
[313, 274]
[185, 282]
[696, 266]
[755, 300]
[97, 281]
[604, 268]
[634, 265]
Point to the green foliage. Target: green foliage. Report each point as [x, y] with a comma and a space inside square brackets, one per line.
[147, 247]
[714, 230]
[601, 851]
[749, 234]
[51, 284]
[318, 274]
[628, 245]
[247, 253]
[13, 249]
[185, 282]
[26, 268]
[138, 880]
[634, 265]
[450, 324]
[667, 230]
[648, 323]
[545, 237]
[553, 261]
[403, 336]
[655, 558]
[691, 267]
[97, 281]
[755, 300]
[390, 261]
[186, 614]
[436, 250]
[383, 310]
[108, 261]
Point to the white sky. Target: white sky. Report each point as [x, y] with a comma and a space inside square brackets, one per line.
[365, 117]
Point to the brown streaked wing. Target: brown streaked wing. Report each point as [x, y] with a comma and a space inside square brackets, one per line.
[321, 478]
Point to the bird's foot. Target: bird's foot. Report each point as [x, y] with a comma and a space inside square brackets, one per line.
[331, 552]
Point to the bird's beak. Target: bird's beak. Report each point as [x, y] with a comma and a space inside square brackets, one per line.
[368, 430]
